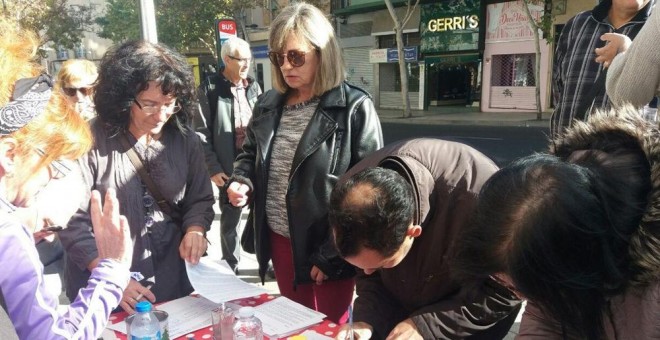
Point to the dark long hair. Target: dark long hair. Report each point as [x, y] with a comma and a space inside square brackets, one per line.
[127, 69]
[560, 227]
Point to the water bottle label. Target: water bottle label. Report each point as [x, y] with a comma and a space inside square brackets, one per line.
[157, 337]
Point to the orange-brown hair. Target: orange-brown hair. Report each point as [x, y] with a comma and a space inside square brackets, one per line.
[59, 131]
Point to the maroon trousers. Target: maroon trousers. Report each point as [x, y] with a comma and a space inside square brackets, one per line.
[331, 298]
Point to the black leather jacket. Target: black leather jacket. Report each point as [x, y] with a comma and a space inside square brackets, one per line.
[215, 121]
[343, 130]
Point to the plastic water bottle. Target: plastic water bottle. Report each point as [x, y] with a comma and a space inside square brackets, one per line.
[247, 326]
[145, 325]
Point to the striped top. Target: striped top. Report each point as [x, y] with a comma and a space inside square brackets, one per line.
[292, 125]
[575, 70]
[33, 310]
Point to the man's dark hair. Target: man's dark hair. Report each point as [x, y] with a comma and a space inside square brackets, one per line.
[372, 209]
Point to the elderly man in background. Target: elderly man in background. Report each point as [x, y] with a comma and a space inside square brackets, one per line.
[226, 101]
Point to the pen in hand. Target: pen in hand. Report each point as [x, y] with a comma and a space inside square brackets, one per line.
[141, 295]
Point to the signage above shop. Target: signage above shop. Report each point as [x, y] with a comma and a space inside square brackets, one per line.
[409, 54]
[259, 52]
[391, 55]
[453, 23]
[378, 56]
[508, 21]
[450, 26]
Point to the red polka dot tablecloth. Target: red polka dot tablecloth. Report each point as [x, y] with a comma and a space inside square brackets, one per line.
[326, 327]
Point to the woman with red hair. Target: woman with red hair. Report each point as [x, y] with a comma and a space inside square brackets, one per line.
[40, 136]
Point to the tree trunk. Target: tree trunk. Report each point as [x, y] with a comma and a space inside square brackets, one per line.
[404, 75]
[398, 29]
[537, 68]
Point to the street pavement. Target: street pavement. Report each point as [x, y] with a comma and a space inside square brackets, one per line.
[460, 115]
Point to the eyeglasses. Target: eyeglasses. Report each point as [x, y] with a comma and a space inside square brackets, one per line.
[243, 60]
[58, 168]
[296, 58]
[151, 109]
[72, 91]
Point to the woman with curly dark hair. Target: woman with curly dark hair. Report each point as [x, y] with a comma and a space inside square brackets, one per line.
[144, 149]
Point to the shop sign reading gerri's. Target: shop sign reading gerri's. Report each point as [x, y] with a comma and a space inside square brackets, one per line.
[450, 26]
[453, 23]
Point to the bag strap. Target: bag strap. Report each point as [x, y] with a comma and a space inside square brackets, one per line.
[144, 175]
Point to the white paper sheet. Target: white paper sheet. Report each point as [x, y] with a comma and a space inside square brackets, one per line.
[186, 315]
[311, 335]
[218, 283]
[282, 317]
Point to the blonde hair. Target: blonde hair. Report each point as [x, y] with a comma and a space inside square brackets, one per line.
[75, 70]
[59, 131]
[308, 23]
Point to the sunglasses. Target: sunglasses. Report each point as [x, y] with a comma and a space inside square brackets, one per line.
[58, 168]
[296, 58]
[151, 109]
[72, 91]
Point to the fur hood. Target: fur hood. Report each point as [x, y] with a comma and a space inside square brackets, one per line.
[645, 242]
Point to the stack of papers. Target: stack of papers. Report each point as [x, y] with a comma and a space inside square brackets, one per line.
[282, 317]
[218, 283]
[186, 315]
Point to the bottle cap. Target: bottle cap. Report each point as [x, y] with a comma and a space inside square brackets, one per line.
[246, 312]
[143, 306]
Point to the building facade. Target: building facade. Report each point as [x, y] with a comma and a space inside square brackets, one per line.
[478, 53]
[509, 67]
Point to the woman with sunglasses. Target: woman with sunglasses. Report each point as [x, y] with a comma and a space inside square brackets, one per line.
[39, 134]
[75, 79]
[145, 100]
[303, 134]
[577, 232]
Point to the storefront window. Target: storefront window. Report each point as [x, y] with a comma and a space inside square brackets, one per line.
[514, 70]
[391, 77]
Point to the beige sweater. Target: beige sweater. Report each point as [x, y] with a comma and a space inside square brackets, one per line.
[634, 76]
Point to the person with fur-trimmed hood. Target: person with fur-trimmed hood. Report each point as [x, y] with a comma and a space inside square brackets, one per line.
[577, 232]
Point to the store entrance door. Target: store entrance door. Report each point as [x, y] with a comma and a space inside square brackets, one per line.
[453, 80]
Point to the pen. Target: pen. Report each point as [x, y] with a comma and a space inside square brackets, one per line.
[350, 323]
[141, 295]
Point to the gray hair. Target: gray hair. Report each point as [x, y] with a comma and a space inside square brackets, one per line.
[232, 45]
[309, 24]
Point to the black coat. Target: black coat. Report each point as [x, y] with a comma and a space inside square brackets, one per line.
[215, 121]
[343, 130]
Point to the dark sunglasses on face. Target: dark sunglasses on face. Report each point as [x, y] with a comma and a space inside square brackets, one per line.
[296, 58]
[71, 91]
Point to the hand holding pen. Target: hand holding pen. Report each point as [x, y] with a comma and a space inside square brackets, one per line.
[353, 331]
[134, 293]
